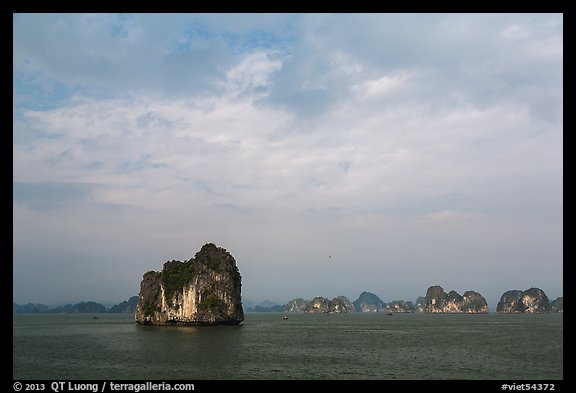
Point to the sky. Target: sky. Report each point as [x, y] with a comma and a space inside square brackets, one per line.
[329, 154]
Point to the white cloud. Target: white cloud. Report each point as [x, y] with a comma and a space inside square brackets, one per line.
[252, 71]
[282, 139]
[386, 84]
[516, 32]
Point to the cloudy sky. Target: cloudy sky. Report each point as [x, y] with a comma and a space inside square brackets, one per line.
[330, 154]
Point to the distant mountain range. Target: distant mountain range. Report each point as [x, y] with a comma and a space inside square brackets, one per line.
[533, 300]
[127, 306]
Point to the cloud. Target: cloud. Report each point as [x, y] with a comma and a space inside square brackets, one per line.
[450, 215]
[133, 54]
[317, 64]
[50, 195]
[386, 84]
[364, 135]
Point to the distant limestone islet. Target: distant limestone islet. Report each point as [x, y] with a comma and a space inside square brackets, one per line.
[320, 304]
[436, 301]
[530, 301]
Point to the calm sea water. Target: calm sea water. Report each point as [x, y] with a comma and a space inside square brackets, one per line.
[347, 346]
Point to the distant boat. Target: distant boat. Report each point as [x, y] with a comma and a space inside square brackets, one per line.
[389, 313]
[285, 317]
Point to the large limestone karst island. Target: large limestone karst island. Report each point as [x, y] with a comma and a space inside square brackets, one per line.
[530, 301]
[204, 290]
[320, 304]
[438, 301]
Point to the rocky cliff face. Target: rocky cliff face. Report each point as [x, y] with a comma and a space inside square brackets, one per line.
[557, 305]
[435, 298]
[205, 290]
[438, 301]
[320, 304]
[510, 301]
[530, 301]
[400, 306]
[420, 305]
[369, 302]
[473, 303]
[535, 301]
[296, 305]
[342, 304]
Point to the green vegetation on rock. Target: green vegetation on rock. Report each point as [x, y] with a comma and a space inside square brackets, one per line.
[211, 302]
[148, 308]
[175, 276]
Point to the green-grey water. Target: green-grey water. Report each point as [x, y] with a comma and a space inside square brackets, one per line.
[306, 346]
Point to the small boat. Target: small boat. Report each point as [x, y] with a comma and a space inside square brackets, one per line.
[285, 317]
[389, 313]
